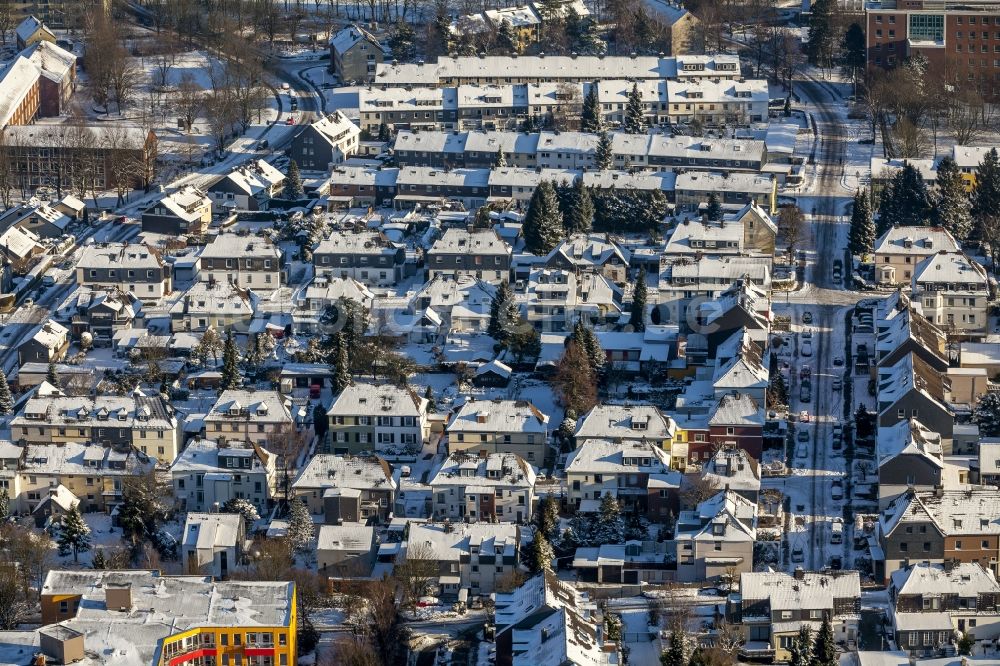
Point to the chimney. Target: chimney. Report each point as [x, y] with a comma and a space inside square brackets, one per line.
[118, 597]
[799, 574]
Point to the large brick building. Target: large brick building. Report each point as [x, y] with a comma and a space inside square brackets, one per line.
[960, 39]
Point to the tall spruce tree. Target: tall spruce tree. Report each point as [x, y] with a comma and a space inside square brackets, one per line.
[6, 399]
[862, 235]
[951, 203]
[543, 225]
[74, 534]
[499, 160]
[301, 529]
[580, 214]
[820, 40]
[591, 346]
[604, 156]
[637, 316]
[590, 119]
[904, 202]
[505, 314]
[52, 375]
[4, 504]
[986, 194]
[293, 183]
[674, 656]
[635, 119]
[230, 363]
[824, 651]
[714, 210]
[801, 648]
[342, 365]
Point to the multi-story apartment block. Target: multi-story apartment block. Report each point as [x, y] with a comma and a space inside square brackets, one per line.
[355, 54]
[953, 292]
[498, 70]
[20, 92]
[692, 188]
[134, 268]
[498, 487]
[554, 299]
[481, 254]
[206, 475]
[929, 604]
[186, 211]
[716, 538]
[326, 142]
[368, 257]
[900, 249]
[482, 427]
[470, 557]
[144, 617]
[145, 423]
[346, 488]
[957, 38]
[246, 261]
[637, 473]
[771, 606]
[248, 416]
[57, 79]
[372, 417]
[47, 155]
[91, 474]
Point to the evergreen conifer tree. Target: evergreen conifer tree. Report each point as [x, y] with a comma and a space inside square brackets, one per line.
[74, 534]
[4, 504]
[6, 399]
[230, 363]
[986, 194]
[591, 120]
[580, 214]
[52, 375]
[543, 225]
[499, 160]
[862, 234]
[904, 201]
[604, 157]
[674, 656]
[801, 648]
[638, 311]
[542, 553]
[951, 203]
[714, 210]
[293, 183]
[505, 314]
[820, 40]
[300, 526]
[342, 369]
[635, 119]
[824, 650]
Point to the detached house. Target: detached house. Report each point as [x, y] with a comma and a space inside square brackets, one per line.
[218, 305]
[953, 292]
[637, 473]
[910, 456]
[186, 211]
[346, 489]
[470, 488]
[771, 606]
[248, 416]
[482, 427]
[634, 424]
[468, 557]
[368, 257]
[716, 538]
[250, 186]
[212, 543]
[355, 53]
[102, 314]
[246, 261]
[480, 254]
[900, 249]
[134, 268]
[31, 31]
[932, 605]
[47, 344]
[325, 143]
[591, 253]
[206, 475]
[383, 418]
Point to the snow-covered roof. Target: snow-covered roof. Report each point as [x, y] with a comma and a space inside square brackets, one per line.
[954, 269]
[513, 416]
[228, 246]
[126, 255]
[367, 399]
[808, 590]
[623, 422]
[16, 82]
[349, 537]
[188, 203]
[253, 177]
[29, 26]
[726, 515]
[347, 38]
[202, 455]
[955, 512]
[54, 62]
[448, 543]
[916, 241]
[331, 471]
[495, 469]
[208, 531]
[616, 457]
[909, 438]
[909, 373]
[250, 406]
[478, 242]
[732, 468]
[738, 409]
[966, 579]
[335, 128]
[19, 243]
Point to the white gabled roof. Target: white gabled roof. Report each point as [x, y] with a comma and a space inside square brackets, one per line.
[345, 40]
[16, 82]
[53, 61]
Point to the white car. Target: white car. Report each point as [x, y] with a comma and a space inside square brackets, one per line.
[806, 349]
[801, 451]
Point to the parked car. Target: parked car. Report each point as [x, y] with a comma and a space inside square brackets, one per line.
[806, 349]
[798, 555]
[805, 394]
[802, 435]
[290, 121]
[801, 451]
[804, 416]
[805, 372]
[807, 317]
[838, 361]
[838, 384]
